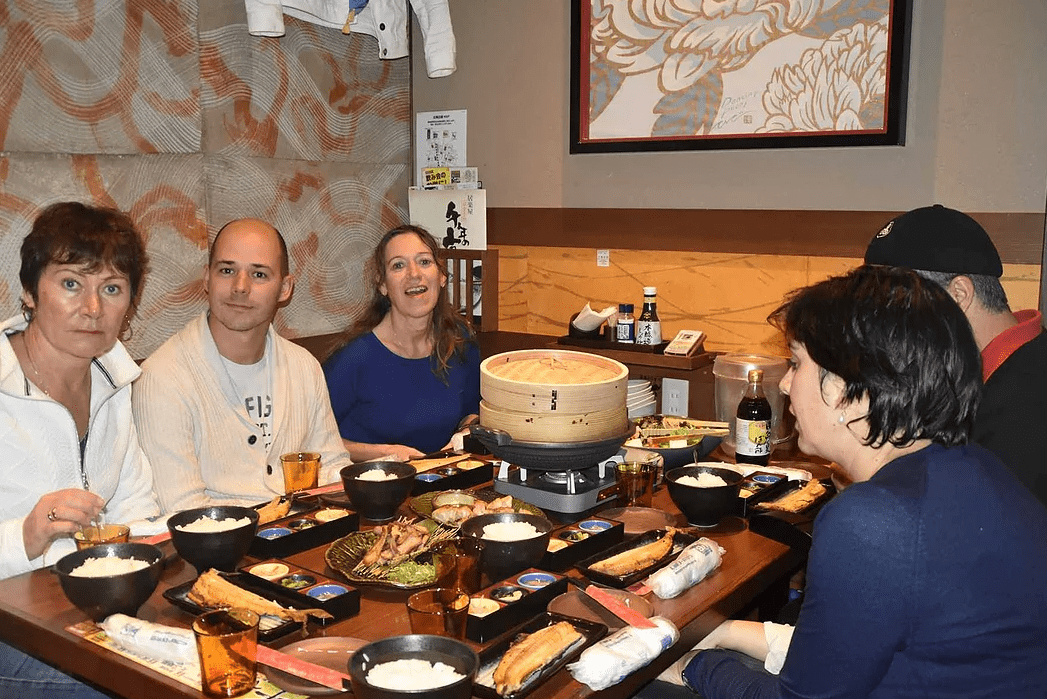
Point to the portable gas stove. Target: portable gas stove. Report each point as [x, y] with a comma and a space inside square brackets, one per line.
[565, 492]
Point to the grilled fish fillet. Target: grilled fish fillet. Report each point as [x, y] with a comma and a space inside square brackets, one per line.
[798, 500]
[533, 653]
[212, 590]
[636, 559]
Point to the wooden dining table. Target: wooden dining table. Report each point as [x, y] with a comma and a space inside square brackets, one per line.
[35, 614]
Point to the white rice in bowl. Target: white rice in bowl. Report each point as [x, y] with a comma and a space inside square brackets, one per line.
[510, 531]
[704, 480]
[107, 566]
[376, 474]
[207, 525]
[409, 674]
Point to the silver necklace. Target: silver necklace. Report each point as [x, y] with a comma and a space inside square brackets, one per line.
[32, 362]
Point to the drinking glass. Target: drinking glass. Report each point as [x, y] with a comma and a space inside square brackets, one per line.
[101, 534]
[227, 643]
[458, 563]
[439, 610]
[301, 470]
[635, 483]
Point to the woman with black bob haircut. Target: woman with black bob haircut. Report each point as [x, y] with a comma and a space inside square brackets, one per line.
[927, 576]
[70, 449]
[407, 377]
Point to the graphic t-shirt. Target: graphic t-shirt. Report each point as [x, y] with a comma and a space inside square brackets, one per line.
[251, 382]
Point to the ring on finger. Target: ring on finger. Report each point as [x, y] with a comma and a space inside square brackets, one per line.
[52, 515]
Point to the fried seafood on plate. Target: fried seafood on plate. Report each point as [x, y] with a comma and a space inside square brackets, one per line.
[531, 654]
[273, 510]
[212, 590]
[628, 562]
[456, 514]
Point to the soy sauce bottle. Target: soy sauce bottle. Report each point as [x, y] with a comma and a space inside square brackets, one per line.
[752, 425]
[648, 327]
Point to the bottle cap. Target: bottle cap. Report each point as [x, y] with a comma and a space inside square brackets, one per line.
[625, 308]
[650, 291]
[755, 375]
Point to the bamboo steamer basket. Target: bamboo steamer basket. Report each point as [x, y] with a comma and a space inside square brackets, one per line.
[555, 427]
[553, 381]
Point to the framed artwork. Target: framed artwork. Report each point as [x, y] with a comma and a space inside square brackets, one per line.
[662, 75]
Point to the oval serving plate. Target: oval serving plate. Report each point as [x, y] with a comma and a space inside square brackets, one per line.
[344, 554]
[422, 505]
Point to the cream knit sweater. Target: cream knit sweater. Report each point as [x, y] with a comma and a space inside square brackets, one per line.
[204, 447]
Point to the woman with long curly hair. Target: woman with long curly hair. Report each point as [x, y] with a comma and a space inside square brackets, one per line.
[408, 374]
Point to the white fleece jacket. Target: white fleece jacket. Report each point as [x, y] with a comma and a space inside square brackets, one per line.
[40, 451]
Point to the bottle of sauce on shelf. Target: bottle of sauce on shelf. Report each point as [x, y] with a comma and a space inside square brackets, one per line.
[752, 425]
[648, 327]
[626, 324]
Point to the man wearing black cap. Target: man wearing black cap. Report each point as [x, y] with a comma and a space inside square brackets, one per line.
[952, 249]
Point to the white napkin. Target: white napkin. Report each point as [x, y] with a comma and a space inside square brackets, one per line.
[589, 320]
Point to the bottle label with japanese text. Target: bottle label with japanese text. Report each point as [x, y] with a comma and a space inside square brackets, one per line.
[752, 437]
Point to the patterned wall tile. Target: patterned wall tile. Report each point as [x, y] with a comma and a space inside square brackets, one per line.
[99, 77]
[164, 195]
[331, 215]
[313, 94]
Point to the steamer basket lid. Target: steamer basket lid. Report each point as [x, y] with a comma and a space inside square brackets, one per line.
[737, 366]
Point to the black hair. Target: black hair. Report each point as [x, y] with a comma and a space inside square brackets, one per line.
[900, 341]
[72, 233]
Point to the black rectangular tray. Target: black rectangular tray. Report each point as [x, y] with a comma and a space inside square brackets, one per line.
[680, 540]
[457, 481]
[482, 629]
[269, 628]
[304, 539]
[769, 492]
[591, 633]
[598, 343]
[339, 607]
[575, 551]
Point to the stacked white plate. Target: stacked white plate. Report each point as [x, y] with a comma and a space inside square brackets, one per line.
[640, 399]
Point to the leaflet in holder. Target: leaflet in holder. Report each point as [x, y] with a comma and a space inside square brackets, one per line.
[686, 343]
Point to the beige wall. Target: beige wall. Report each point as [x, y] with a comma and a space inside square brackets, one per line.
[977, 99]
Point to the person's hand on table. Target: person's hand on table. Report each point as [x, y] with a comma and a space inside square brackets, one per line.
[399, 452]
[58, 513]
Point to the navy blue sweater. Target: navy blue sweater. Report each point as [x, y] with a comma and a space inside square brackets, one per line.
[381, 398]
[928, 580]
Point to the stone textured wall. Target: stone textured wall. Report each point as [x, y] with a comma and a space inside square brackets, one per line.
[170, 110]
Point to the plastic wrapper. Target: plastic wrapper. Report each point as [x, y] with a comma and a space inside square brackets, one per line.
[151, 640]
[692, 566]
[610, 660]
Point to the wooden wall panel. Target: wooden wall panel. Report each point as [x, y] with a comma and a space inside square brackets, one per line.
[1018, 236]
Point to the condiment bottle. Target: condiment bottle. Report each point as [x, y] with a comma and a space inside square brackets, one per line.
[626, 323]
[648, 327]
[752, 425]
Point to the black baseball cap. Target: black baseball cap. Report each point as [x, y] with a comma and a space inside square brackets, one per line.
[936, 239]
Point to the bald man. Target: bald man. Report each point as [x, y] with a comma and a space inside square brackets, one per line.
[221, 400]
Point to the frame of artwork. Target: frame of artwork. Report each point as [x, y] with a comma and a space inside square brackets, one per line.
[786, 75]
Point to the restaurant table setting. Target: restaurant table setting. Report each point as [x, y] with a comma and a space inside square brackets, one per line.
[335, 606]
